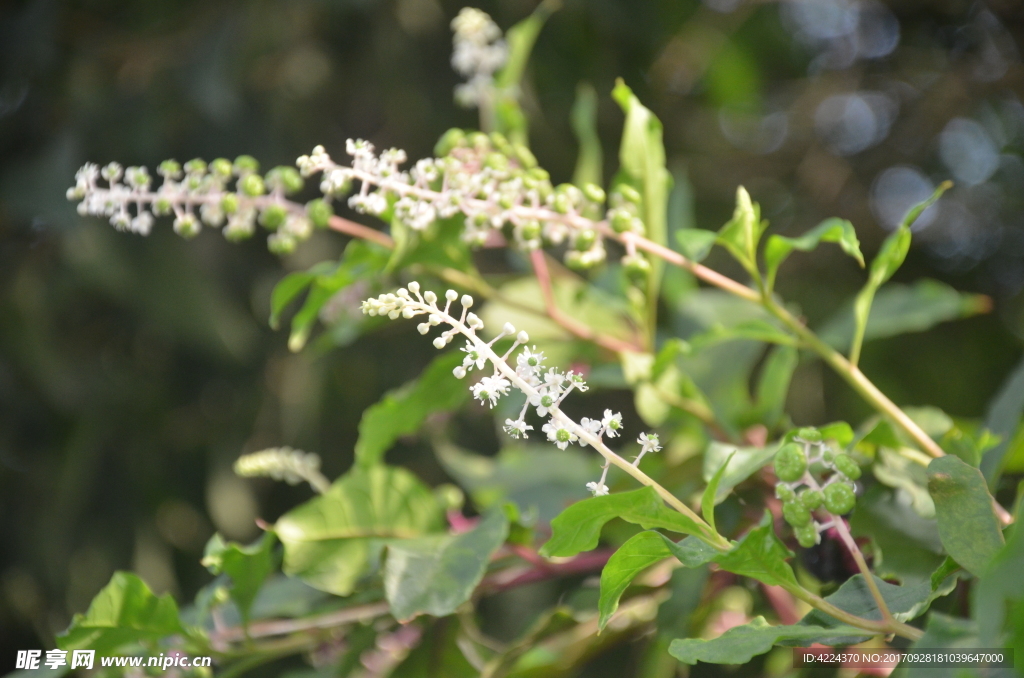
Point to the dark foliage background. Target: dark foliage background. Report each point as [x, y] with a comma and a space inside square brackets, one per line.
[134, 371]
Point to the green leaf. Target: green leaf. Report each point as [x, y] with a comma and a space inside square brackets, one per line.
[695, 243]
[578, 528]
[642, 158]
[889, 259]
[329, 540]
[708, 500]
[402, 411]
[754, 330]
[945, 632]
[248, 566]
[361, 260]
[125, 612]
[854, 596]
[836, 230]
[742, 233]
[509, 117]
[906, 546]
[1002, 419]
[740, 644]
[589, 160]
[291, 286]
[435, 575]
[738, 463]
[537, 478]
[899, 309]
[963, 507]
[761, 555]
[773, 384]
[1000, 584]
[640, 552]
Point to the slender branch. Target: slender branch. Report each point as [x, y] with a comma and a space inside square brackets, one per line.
[281, 627]
[356, 230]
[570, 324]
[879, 627]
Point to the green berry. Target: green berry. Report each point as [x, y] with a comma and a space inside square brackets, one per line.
[807, 536]
[796, 514]
[161, 207]
[480, 141]
[539, 174]
[636, 265]
[229, 203]
[785, 493]
[246, 164]
[273, 216]
[585, 239]
[281, 243]
[221, 167]
[809, 434]
[195, 166]
[319, 212]
[252, 185]
[790, 463]
[621, 220]
[839, 498]
[450, 140]
[812, 499]
[496, 161]
[847, 466]
[628, 193]
[286, 179]
[170, 169]
[525, 156]
[530, 230]
[500, 142]
[594, 193]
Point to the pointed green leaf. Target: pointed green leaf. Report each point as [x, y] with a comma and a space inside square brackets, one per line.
[435, 575]
[743, 232]
[589, 159]
[963, 507]
[754, 330]
[773, 384]
[695, 243]
[640, 552]
[125, 612]
[403, 411]
[291, 286]
[899, 309]
[1000, 585]
[740, 644]
[1002, 419]
[578, 528]
[248, 566]
[761, 555]
[834, 230]
[709, 498]
[890, 257]
[329, 540]
[739, 463]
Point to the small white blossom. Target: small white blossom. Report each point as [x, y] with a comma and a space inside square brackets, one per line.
[490, 389]
[517, 428]
[598, 489]
[559, 435]
[612, 423]
[473, 357]
[649, 443]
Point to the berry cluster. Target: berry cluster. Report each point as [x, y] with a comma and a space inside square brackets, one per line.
[799, 465]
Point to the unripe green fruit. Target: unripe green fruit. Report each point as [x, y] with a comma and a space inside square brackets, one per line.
[496, 161]
[785, 493]
[285, 178]
[790, 463]
[810, 434]
[636, 266]
[806, 536]
[170, 168]
[525, 156]
[319, 212]
[847, 466]
[594, 193]
[450, 140]
[281, 243]
[539, 173]
[221, 167]
[252, 185]
[161, 207]
[839, 498]
[273, 216]
[229, 203]
[500, 142]
[812, 499]
[480, 141]
[530, 230]
[562, 203]
[628, 193]
[195, 166]
[796, 514]
[621, 220]
[585, 239]
[246, 164]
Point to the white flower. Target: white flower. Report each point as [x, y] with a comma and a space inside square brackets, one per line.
[490, 388]
[517, 429]
[559, 435]
[612, 423]
[576, 379]
[473, 357]
[648, 443]
[553, 380]
[598, 489]
[592, 426]
[543, 401]
[529, 362]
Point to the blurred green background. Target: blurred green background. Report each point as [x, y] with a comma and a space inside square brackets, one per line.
[133, 371]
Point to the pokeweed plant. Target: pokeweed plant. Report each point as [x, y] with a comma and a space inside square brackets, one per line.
[379, 574]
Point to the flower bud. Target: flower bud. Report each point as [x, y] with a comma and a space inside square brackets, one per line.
[467, 301]
[430, 297]
[187, 226]
[508, 328]
[451, 295]
[522, 337]
[440, 342]
[423, 328]
[459, 372]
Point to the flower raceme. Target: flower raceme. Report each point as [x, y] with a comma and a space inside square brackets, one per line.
[544, 388]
